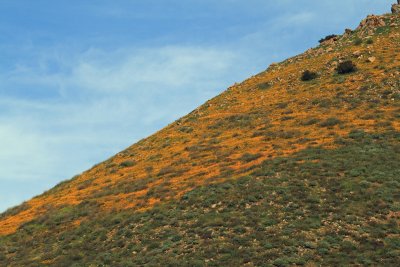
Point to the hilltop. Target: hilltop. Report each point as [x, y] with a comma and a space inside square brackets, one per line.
[296, 165]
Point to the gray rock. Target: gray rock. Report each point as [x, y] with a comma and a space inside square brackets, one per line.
[371, 22]
[369, 25]
[396, 8]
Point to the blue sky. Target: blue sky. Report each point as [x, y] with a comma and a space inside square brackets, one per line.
[82, 80]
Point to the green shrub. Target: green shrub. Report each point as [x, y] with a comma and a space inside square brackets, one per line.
[310, 121]
[186, 129]
[127, 163]
[332, 121]
[308, 75]
[15, 210]
[166, 170]
[249, 157]
[357, 41]
[264, 86]
[346, 67]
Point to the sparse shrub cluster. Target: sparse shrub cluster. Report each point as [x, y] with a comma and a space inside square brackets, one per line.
[310, 121]
[330, 122]
[166, 170]
[264, 85]
[308, 75]
[247, 157]
[233, 121]
[370, 41]
[127, 163]
[186, 129]
[346, 67]
[358, 41]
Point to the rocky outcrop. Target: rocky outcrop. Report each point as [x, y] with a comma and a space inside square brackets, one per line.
[330, 39]
[396, 8]
[370, 24]
[348, 32]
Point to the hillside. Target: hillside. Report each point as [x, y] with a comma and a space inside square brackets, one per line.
[277, 170]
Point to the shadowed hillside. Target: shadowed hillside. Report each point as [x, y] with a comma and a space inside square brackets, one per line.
[298, 164]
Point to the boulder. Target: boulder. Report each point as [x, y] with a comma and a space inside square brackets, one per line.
[357, 53]
[396, 8]
[348, 32]
[370, 24]
[372, 21]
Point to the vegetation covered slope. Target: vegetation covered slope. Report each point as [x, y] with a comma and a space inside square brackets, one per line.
[278, 170]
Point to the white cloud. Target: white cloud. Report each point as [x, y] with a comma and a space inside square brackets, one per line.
[170, 67]
[100, 103]
[19, 151]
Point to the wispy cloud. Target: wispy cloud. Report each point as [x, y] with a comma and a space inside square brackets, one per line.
[102, 101]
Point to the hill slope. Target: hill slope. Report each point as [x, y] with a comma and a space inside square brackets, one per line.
[275, 170]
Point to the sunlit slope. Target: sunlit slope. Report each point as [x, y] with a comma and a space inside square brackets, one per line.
[308, 150]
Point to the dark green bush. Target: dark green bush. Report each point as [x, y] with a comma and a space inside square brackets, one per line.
[249, 157]
[166, 170]
[127, 163]
[308, 75]
[370, 41]
[346, 67]
[264, 86]
[186, 129]
[310, 121]
[357, 41]
[330, 122]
